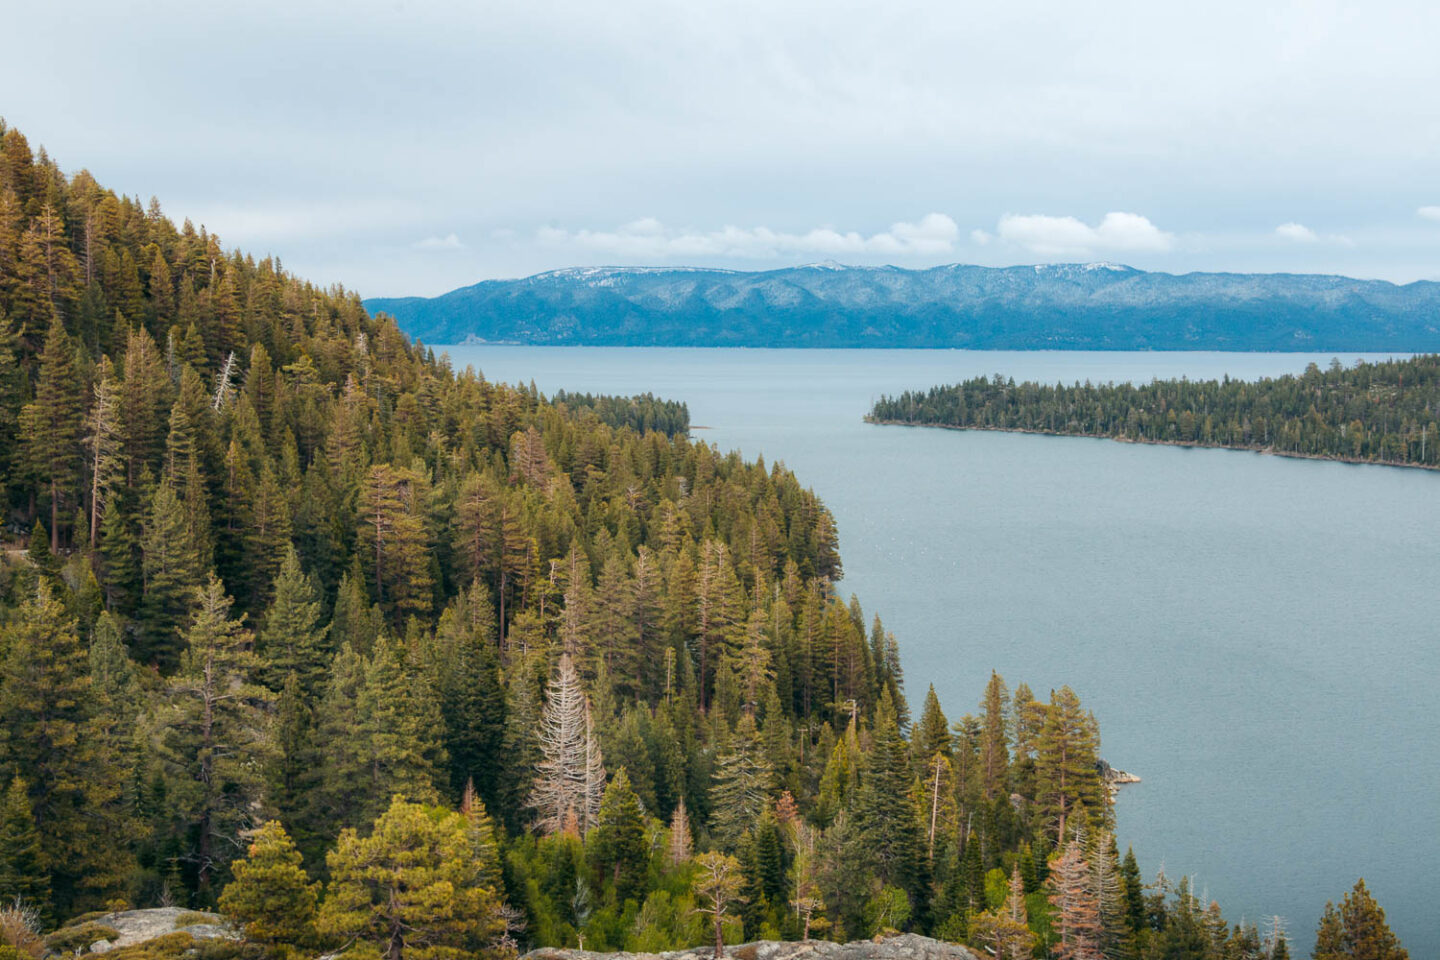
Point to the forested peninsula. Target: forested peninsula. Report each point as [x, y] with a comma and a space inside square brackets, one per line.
[378, 658]
[1369, 413]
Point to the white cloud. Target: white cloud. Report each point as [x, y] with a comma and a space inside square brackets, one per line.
[934, 234]
[1062, 236]
[1297, 232]
[980, 238]
[447, 242]
[1428, 213]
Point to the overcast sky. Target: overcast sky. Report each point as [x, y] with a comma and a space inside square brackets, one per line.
[408, 148]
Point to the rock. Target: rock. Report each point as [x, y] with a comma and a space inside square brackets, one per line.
[1112, 777]
[907, 946]
[138, 926]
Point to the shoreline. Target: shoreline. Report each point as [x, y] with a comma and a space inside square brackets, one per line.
[1266, 451]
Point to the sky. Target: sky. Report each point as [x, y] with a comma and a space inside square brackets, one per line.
[404, 148]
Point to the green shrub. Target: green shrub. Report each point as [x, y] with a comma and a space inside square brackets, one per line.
[77, 937]
[192, 917]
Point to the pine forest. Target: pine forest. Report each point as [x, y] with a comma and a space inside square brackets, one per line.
[373, 656]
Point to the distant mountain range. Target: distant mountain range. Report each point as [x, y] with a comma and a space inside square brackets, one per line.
[1092, 306]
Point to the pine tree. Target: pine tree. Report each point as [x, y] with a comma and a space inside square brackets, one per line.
[994, 748]
[213, 741]
[931, 734]
[399, 732]
[1134, 892]
[1357, 931]
[1330, 935]
[23, 876]
[51, 740]
[472, 698]
[50, 426]
[142, 400]
[520, 744]
[411, 889]
[1005, 931]
[271, 896]
[617, 848]
[740, 786]
[888, 830]
[172, 564]
[679, 845]
[337, 801]
[1065, 768]
[102, 445]
[293, 773]
[1077, 909]
[396, 544]
[718, 886]
[484, 845]
[561, 796]
[293, 638]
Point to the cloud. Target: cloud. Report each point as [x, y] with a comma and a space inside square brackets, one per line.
[1060, 236]
[1297, 232]
[980, 238]
[933, 234]
[447, 242]
[1428, 213]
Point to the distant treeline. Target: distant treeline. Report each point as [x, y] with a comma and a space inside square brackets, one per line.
[1374, 412]
[641, 413]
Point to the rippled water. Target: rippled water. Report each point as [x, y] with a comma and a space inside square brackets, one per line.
[1255, 634]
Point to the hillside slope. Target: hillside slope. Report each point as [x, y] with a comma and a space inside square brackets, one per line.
[1097, 306]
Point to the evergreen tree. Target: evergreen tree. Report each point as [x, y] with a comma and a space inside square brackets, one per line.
[616, 847]
[718, 886]
[888, 831]
[50, 426]
[399, 732]
[1065, 769]
[52, 741]
[741, 785]
[411, 889]
[994, 748]
[1134, 892]
[23, 876]
[271, 896]
[293, 638]
[472, 697]
[214, 739]
[1357, 931]
[395, 540]
[172, 564]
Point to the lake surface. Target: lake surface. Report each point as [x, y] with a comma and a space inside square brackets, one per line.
[1256, 635]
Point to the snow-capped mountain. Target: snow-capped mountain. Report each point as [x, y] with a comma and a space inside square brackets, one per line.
[1057, 306]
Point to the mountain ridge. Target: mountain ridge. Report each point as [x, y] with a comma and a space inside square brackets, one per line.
[1078, 306]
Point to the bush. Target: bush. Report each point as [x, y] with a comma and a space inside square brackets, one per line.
[192, 917]
[20, 930]
[77, 937]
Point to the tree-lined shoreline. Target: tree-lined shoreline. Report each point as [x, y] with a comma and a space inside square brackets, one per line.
[1372, 413]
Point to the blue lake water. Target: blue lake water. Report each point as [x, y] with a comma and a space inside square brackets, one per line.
[1255, 634]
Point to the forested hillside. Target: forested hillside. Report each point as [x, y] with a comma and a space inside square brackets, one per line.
[378, 656]
[1372, 412]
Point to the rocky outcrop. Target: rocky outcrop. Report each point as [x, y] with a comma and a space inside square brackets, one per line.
[905, 947]
[138, 926]
[1114, 778]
